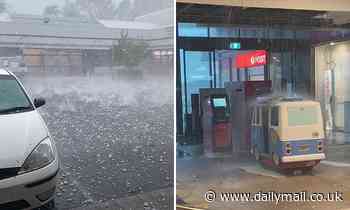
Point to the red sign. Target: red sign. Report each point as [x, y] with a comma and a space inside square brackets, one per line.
[251, 59]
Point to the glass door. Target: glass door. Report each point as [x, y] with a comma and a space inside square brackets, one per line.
[196, 72]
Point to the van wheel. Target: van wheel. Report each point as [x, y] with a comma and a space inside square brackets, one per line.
[256, 153]
[276, 159]
[307, 170]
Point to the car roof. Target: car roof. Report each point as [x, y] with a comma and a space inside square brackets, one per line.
[4, 72]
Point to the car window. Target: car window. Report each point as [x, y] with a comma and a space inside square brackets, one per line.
[11, 94]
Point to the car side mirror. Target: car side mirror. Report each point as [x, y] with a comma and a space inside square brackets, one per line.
[38, 102]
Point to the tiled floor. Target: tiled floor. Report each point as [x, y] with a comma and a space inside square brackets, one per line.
[338, 147]
[335, 138]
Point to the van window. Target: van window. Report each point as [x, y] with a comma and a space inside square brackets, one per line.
[274, 116]
[302, 116]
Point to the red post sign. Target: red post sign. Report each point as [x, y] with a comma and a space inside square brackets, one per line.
[251, 59]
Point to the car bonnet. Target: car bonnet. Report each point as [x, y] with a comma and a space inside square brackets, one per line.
[20, 133]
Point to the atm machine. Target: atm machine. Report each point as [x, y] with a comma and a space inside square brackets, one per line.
[225, 112]
[215, 120]
[225, 115]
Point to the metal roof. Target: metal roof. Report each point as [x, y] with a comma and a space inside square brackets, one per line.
[60, 28]
[118, 24]
[164, 17]
[33, 31]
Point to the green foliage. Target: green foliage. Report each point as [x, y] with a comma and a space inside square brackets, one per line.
[130, 53]
[98, 9]
[71, 10]
[125, 10]
[3, 6]
[52, 11]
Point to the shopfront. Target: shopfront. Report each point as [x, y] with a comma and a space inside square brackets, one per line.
[210, 62]
[296, 62]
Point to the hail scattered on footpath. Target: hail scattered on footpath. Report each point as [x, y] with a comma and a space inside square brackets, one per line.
[114, 139]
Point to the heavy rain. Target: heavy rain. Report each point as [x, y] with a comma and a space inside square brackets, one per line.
[114, 137]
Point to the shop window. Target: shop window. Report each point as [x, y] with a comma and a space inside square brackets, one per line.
[192, 30]
[157, 54]
[197, 70]
[223, 32]
[246, 32]
[303, 35]
[256, 73]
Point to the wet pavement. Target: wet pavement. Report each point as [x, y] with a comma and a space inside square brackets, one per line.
[197, 176]
[114, 140]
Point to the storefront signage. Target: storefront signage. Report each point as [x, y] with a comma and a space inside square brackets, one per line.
[251, 59]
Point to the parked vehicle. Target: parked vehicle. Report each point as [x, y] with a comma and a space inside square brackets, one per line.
[28, 157]
[289, 132]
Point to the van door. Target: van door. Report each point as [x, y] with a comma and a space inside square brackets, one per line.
[273, 125]
[265, 127]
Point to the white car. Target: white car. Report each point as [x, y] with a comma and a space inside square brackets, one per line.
[28, 157]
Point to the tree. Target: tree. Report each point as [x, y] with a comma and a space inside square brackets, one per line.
[52, 11]
[125, 10]
[3, 6]
[129, 53]
[98, 9]
[71, 10]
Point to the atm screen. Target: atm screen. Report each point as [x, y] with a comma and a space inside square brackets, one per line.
[219, 102]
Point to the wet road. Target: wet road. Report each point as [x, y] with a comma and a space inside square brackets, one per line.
[195, 177]
[114, 139]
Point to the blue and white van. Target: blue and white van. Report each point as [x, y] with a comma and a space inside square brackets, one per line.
[289, 132]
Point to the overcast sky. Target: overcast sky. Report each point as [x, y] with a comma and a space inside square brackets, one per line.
[33, 6]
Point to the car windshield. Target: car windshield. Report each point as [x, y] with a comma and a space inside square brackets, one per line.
[12, 96]
[298, 116]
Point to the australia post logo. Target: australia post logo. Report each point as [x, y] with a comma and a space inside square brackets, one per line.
[251, 59]
[260, 59]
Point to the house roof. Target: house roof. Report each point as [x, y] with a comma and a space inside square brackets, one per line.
[37, 31]
[164, 17]
[118, 24]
